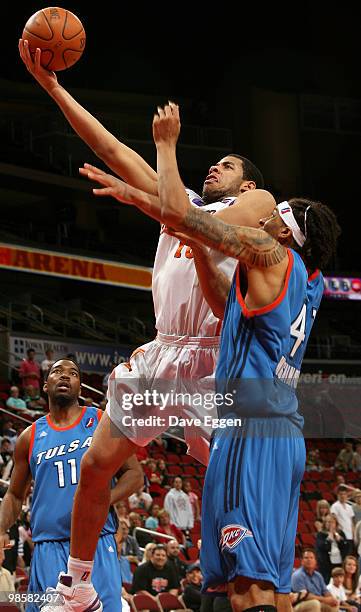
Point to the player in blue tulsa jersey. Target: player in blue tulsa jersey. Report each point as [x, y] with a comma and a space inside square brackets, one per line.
[49, 452]
[250, 499]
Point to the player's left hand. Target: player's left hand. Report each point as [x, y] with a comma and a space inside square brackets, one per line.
[166, 124]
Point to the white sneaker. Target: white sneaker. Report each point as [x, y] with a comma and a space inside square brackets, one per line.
[68, 598]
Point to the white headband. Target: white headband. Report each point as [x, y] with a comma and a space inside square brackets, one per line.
[287, 216]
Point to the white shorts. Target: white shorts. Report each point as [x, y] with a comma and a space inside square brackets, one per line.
[168, 384]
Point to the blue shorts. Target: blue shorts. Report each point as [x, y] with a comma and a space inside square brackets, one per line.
[250, 503]
[51, 558]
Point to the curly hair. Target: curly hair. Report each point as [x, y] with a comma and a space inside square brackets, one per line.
[321, 230]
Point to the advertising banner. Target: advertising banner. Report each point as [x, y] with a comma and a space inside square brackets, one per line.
[75, 267]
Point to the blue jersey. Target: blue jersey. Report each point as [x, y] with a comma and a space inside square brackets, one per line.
[54, 457]
[262, 350]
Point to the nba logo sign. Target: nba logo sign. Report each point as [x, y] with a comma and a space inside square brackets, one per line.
[90, 422]
[231, 535]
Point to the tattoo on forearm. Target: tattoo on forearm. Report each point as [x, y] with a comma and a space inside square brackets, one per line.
[252, 246]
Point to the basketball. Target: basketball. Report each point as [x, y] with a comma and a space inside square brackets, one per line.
[59, 34]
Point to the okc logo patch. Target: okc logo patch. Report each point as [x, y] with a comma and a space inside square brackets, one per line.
[231, 535]
[90, 422]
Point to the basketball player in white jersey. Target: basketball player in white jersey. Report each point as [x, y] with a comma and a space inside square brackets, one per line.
[186, 346]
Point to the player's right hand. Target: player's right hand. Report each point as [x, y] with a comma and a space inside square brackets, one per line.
[44, 77]
[5, 541]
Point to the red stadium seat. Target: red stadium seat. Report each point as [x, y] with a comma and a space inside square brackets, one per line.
[175, 470]
[308, 539]
[188, 459]
[145, 601]
[172, 458]
[304, 505]
[169, 602]
[308, 515]
[189, 470]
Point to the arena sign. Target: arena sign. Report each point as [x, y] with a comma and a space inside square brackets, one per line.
[91, 357]
[52, 263]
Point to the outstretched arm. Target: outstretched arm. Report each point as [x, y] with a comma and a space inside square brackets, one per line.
[252, 246]
[121, 159]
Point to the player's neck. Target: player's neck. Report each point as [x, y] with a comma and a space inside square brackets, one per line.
[62, 416]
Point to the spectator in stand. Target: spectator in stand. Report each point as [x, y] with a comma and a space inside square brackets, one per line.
[344, 513]
[306, 578]
[351, 582]
[25, 540]
[6, 454]
[340, 480]
[357, 506]
[88, 401]
[358, 540]
[157, 575]
[10, 432]
[14, 401]
[30, 370]
[313, 461]
[6, 580]
[163, 472]
[148, 551]
[336, 588]
[322, 509]
[173, 550]
[129, 547]
[121, 509]
[47, 362]
[193, 498]
[356, 460]
[154, 479]
[34, 401]
[192, 588]
[177, 503]
[135, 521]
[344, 458]
[140, 499]
[331, 547]
[152, 521]
[168, 528]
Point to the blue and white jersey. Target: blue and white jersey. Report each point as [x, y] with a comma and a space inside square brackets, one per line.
[54, 457]
[262, 349]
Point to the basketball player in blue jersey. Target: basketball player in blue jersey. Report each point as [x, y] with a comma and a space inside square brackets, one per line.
[49, 452]
[251, 492]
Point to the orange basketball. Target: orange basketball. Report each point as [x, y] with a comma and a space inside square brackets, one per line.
[59, 34]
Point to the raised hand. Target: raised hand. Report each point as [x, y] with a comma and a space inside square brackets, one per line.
[111, 186]
[45, 78]
[166, 125]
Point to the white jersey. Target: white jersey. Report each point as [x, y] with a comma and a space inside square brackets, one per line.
[179, 305]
